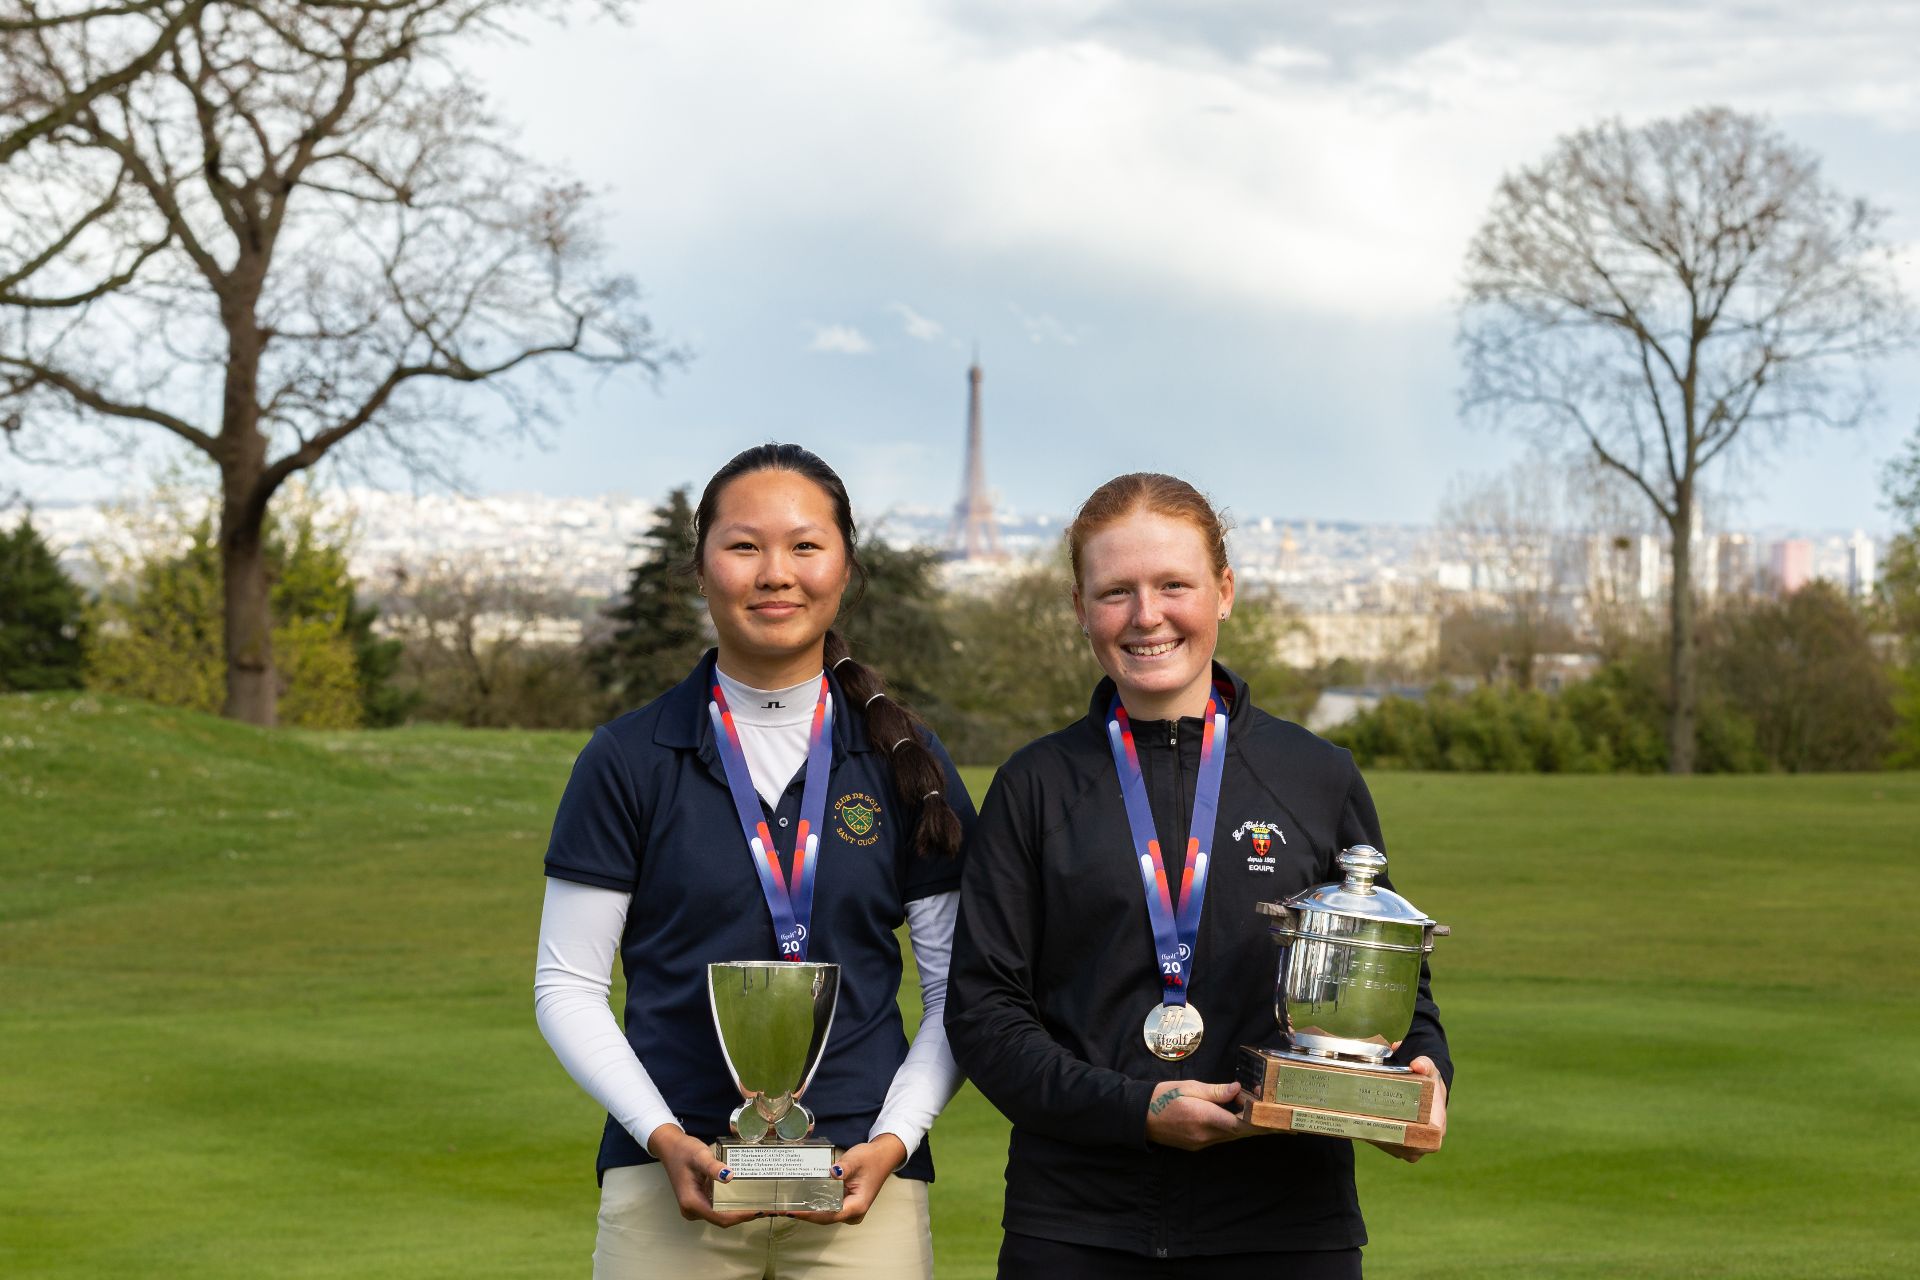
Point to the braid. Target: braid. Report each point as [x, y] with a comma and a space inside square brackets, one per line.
[918, 780]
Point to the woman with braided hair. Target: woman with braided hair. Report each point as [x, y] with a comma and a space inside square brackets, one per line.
[649, 860]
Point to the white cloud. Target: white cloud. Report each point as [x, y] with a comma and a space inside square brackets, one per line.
[842, 339]
[1274, 197]
[917, 325]
[1043, 328]
[1248, 153]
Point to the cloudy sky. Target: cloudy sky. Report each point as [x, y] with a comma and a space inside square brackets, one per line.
[1216, 237]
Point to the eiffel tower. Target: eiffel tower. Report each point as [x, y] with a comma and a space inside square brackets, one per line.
[973, 535]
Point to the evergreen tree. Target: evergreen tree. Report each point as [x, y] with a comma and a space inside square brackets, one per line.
[159, 638]
[42, 616]
[659, 626]
[312, 581]
[383, 703]
[899, 625]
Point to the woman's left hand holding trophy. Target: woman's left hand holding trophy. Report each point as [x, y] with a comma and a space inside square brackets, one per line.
[864, 1170]
[1423, 1066]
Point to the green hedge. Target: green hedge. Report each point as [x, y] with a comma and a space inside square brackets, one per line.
[1613, 723]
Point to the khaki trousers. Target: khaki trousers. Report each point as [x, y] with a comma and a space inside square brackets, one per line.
[642, 1234]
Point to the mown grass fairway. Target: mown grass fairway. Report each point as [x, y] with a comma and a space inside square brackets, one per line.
[265, 1009]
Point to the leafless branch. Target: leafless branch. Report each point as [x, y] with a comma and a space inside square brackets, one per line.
[1667, 294]
[16, 137]
[24, 376]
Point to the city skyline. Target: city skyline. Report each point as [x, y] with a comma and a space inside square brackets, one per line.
[588, 543]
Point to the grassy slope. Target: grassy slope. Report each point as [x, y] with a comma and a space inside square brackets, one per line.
[264, 1010]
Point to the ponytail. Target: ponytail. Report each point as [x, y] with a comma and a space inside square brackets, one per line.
[918, 780]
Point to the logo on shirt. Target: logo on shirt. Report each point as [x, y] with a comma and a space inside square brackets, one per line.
[1262, 835]
[859, 815]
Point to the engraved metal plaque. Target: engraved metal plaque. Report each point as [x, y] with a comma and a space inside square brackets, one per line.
[1339, 1126]
[1396, 1097]
[765, 1160]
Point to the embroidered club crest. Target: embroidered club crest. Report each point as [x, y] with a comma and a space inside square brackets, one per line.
[859, 816]
[1261, 836]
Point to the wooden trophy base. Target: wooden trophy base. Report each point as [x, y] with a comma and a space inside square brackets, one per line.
[1281, 1092]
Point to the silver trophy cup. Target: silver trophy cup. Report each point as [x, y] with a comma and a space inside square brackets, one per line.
[1350, 965]
[1350, 955]
[773, 1017]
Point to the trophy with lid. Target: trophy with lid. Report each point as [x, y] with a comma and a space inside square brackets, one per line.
[1350, 956]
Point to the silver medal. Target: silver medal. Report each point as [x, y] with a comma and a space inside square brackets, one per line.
[1173, 1031]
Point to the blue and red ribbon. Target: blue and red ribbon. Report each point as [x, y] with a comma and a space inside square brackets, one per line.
[1176, 928]
[790, 899]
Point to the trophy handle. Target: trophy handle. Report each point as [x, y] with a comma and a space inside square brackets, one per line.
[748, 1124]
[796, 1124]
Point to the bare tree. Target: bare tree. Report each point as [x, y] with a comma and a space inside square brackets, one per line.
[1664, 294]
[488, 646]
[1509, 525]
[267, 228]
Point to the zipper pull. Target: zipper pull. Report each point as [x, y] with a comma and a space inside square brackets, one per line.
[1173, 733]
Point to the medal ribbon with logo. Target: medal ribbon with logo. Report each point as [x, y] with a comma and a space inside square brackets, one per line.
[790, 901]
[1174, 1028]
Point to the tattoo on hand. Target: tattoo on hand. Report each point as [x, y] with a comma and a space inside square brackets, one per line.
[1162, 1102]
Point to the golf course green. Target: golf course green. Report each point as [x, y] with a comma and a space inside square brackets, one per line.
[265, 1009]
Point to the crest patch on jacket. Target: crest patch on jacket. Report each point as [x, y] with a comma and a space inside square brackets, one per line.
[1261, 835]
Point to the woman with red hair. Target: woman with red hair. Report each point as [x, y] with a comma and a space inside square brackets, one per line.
[1109, 962]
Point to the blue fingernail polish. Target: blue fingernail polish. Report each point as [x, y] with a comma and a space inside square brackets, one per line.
[838, 1172]
[726, 1174]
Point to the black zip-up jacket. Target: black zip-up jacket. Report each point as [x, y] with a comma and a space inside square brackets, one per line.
[1054, 972]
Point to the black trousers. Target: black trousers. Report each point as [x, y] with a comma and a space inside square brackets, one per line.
[1031, 1258]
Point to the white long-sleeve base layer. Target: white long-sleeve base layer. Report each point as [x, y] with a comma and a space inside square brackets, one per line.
[580, 930]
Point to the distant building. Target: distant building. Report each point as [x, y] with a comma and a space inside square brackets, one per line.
[1648, 564]
[1733, 563]
[1408, 639]
[1620, 568]
[1339, 704]
[1553, 672]
[1704, 565]
[1860, 566]
[1790, 565]
[1453, 575]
